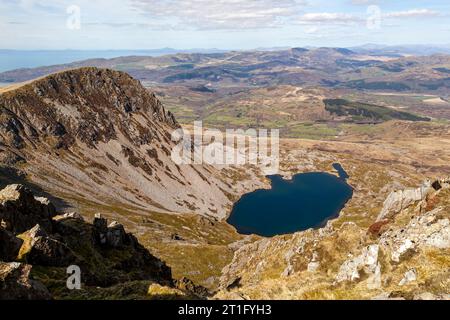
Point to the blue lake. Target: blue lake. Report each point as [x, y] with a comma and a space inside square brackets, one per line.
[309, 200]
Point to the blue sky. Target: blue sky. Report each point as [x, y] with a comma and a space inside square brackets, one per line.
[224, 24]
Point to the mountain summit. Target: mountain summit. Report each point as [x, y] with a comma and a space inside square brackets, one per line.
[97, 136]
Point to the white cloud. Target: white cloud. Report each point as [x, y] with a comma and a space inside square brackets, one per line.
[364, 2]
[222, 14]
[335, 18]
[311, 30]
[329, 18]
[414, 13]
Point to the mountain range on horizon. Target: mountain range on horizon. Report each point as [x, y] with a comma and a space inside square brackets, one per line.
[17, 59]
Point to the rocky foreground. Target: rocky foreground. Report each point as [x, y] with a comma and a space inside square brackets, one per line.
[37, 246]
[404, 254]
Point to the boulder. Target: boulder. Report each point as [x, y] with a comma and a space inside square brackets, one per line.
[410, 276]
[15, 283]
[20, 210]
[9, 245]
[112, 235]
[367, 262]
[314, 264]
[41, 249]
[73, 215]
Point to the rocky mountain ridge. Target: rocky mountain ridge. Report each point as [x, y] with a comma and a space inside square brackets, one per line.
[100, 137]
[113, 264]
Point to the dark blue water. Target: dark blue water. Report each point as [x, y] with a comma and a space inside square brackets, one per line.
[342, 173]
[306, 201]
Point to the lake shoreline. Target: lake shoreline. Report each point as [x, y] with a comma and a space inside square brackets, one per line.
[292, 205]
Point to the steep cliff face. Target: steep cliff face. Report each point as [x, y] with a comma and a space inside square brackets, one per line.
[97, 135]
[406, 255]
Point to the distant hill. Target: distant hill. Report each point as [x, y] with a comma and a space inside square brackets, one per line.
[19, 59]
[400, 50]
[328, 67]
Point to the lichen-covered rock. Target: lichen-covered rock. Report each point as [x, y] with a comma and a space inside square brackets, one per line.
[402, 199]
[410, 276]
[20, 210]
[426, 230]
[42, 250]
[9, 245]
[15, 283]
[367, 262]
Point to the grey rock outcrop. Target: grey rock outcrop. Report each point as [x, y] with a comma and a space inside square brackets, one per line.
[402, 199]
[20, 210]
[112, 235]
[366, 262]
[15, 283]
[73, 215]
[41, 249]
[431, 296]
[116, 235]
[65, 241]
[427, 230]
[100, 229]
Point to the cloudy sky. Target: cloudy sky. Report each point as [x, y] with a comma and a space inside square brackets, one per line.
[224, 24]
